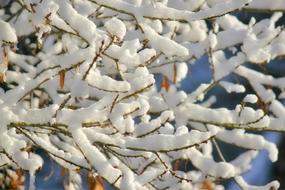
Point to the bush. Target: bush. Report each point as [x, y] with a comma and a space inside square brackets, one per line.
[96, 84]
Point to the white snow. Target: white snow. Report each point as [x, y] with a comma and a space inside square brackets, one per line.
[250, 98]
[116, 27]
[114, 115]
[231, 87]
[7, 33]
[79, 23]
[79, 87]
[165, 45]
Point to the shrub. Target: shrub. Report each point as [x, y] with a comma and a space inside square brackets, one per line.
[96, 84]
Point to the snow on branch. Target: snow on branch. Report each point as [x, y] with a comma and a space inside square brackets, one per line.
[99, 86]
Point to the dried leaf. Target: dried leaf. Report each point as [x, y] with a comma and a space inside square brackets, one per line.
[64, 171]
[174, 73]
[2, 77]
[99, 183]
[262, 105]
[17, 180]
[207, 185]
[91, 182]
[165, 84]
[95, 183]
[61, 79]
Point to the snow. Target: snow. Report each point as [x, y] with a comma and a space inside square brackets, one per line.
[7, 33]
[223, 66]
[128, 181]
[173, 98]
[249, 141]
[213, 40]
[43, 12]
[209, 166]
[39, 115]
[229, 21]
[166, 143]
[116, 27]
[139, 79]
[231, 87]
[94, 156]
[79, 23]
[243, 162]
[175, 75]
[113, 116]
[107, 83]
[271, 185]
[32, 181]
[79, 87]
[162, 11]
[209, 115]
[117, 116]
[250, 98]
[165, 45]
[151, 125]
[88, 114]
